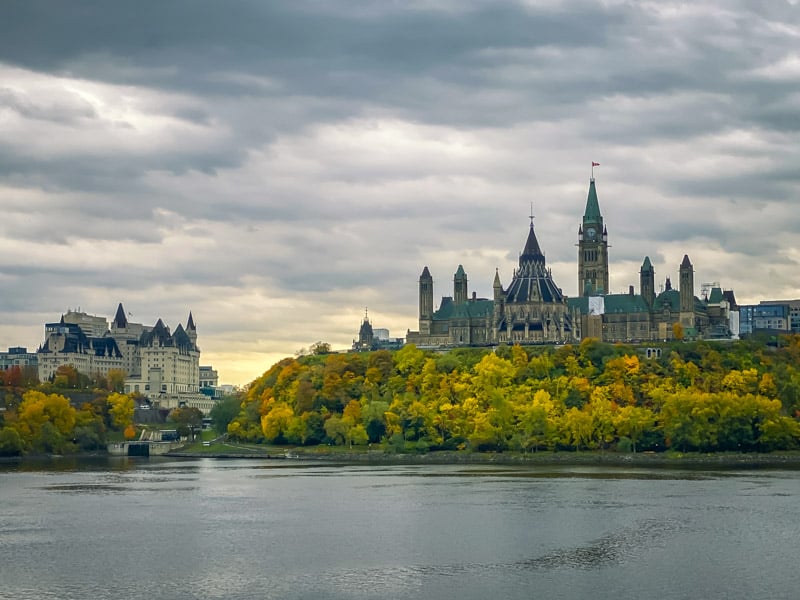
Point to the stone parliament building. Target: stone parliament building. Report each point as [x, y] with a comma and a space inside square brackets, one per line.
[533, 309]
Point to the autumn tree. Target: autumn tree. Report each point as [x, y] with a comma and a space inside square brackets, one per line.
[66, 376]
[633, 422]
[120, 410]
[45, 422]
[116, 380]
[186, 419]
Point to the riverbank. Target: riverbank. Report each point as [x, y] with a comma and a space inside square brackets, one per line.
[789, 460]
[340, 456]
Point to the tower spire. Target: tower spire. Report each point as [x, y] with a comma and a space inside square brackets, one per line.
[592, 212]
[120, 321]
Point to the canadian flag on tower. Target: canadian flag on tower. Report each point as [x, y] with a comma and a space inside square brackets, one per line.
[594, 164]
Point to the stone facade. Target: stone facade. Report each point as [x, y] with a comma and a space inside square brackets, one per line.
[645, 316]
[162, 366]
[531, 310]
[66, 343]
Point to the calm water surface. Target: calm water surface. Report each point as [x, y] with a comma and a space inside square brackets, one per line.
[167, 529]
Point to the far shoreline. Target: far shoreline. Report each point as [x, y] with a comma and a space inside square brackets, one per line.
[308, 456]
[726, 460]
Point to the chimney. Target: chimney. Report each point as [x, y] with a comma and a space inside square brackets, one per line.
[630, 290]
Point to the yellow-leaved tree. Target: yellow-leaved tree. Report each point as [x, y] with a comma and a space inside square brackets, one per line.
[45, 422]
[120, 409]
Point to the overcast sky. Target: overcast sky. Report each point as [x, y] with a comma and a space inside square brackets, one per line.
[276, 167]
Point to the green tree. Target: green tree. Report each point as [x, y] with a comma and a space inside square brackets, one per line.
[223, 412]
[320, 348]
[186, 419]
[336, 429]
[372, 417]
[10, 442]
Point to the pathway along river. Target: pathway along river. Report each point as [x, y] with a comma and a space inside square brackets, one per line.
[163, 529]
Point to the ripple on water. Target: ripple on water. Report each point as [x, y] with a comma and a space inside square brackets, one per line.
[615, 548]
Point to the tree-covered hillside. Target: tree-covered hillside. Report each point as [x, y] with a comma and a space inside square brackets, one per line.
[740, 396]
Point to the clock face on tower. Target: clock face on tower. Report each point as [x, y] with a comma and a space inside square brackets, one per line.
[591, 233]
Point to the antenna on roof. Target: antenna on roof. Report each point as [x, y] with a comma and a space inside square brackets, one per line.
[531, 217]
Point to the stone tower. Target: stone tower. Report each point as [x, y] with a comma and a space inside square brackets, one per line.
[425, 301]
[592, 248]
[686, 290]
[191, 330]
[499, 298]
[647, 282]
[460, 286]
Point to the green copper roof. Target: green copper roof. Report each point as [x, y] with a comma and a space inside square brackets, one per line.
[460, 272]
[470, 309]
[592, 212]
[670, 297]
[646, 266]
[716, 296]
[625, 303]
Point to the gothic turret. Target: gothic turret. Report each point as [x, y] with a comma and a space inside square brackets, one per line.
[366, 335]
[498, 299]
[191, 330]
[460, 286]
[647, 282]
[425, 301]
[686, 288]
[120, 321]
[497, 286]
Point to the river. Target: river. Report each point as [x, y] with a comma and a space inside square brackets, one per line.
[190, 529]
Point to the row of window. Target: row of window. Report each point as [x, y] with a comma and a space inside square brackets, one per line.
[590, 255]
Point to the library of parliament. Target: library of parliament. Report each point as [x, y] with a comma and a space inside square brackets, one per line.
[533, 310]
